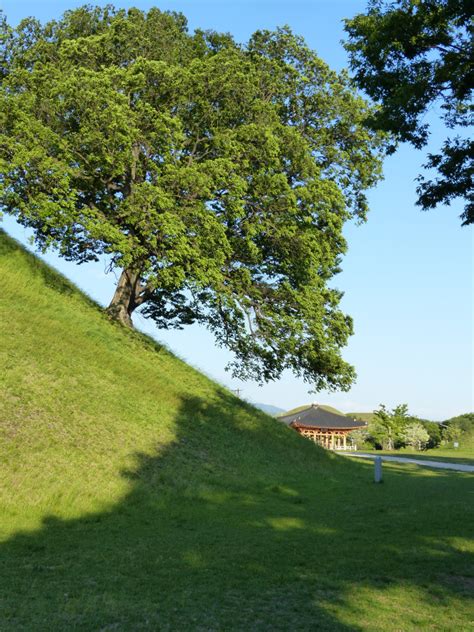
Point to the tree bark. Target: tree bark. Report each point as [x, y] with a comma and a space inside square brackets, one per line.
[126, 297]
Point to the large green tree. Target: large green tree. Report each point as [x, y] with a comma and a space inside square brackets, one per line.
[416, 56]
[216, 176]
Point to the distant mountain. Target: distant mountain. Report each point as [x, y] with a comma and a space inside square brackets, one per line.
[269, 409]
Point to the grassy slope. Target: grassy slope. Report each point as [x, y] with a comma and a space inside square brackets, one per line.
[136, 494]
[361, 416]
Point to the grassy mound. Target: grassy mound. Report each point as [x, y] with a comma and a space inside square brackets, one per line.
[136, 494]
[367, 417]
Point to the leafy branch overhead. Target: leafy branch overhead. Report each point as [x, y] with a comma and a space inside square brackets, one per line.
[216, 176]
[411, 56]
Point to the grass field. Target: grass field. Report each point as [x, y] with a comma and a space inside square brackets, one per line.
[136, 494]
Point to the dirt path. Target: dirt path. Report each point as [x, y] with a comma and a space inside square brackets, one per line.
[459, 467]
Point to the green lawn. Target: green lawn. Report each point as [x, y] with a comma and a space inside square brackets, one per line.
[136, 494]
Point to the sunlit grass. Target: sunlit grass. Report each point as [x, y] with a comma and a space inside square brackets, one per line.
[136, 494]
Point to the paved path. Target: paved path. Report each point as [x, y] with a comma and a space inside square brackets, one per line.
[460, 467]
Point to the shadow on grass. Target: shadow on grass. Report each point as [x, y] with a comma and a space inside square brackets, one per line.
[215, 535]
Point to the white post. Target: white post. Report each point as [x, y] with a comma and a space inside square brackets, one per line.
[378, 469]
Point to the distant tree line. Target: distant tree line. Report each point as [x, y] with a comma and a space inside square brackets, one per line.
[397, 428]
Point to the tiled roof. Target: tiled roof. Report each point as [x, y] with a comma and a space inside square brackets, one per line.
[317, 417]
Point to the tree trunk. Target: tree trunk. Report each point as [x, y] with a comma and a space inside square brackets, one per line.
[124, 300]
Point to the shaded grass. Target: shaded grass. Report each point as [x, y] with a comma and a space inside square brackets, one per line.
[139, 495]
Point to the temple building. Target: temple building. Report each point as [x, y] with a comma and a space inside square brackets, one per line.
[324, 427]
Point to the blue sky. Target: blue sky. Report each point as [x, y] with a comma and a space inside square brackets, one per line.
[408, 275]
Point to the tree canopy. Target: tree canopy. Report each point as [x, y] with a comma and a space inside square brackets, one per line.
[216, 176]
[460, 428]
[413, 55]
[397, 428]
[415, 436]
[388, 426]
